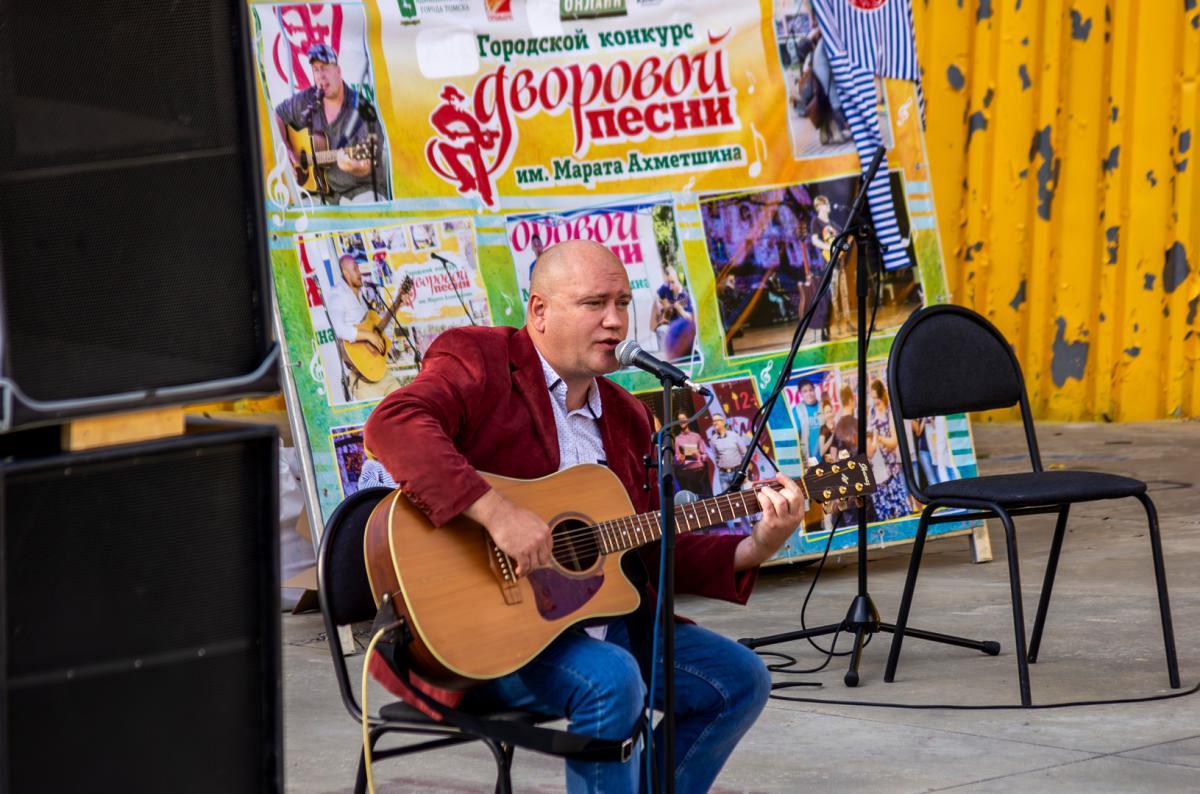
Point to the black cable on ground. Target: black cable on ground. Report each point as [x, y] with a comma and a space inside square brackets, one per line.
[986, 707]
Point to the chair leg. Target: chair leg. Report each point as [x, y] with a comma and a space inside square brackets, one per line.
[1014, 578]
[503, 755]
[360, 778]
[1039, 622]
[1160, 579]
[910, 583]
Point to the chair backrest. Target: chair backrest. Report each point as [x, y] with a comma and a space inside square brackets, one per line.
[946, 360]
[342, 584]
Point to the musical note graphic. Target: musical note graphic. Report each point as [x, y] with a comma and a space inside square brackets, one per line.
[691, 183]
[508, 304]
[764, 377]
[750, 79]
[902, 114]
[315, 370]
[756, 166]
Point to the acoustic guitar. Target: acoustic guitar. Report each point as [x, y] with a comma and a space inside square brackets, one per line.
[364, 357]
[472, 619]
[314, 157]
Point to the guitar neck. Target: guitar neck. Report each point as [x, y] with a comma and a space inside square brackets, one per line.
[327, 157]
[632, 531]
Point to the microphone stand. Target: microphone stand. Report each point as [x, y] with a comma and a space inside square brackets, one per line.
[446, 266]
[666, 595]
[862, 618]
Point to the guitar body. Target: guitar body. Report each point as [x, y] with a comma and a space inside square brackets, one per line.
[368, 362]
[310, 172]
[470, 618]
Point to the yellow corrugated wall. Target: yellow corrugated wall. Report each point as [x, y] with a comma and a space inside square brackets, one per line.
[1062, 140]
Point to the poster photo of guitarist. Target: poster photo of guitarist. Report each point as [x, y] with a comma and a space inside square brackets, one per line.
[333, 137]
[361, 318]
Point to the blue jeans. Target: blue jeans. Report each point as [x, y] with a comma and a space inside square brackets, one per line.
[720, 688]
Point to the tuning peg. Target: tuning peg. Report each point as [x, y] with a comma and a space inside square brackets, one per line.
[827, 493]
[836, 468]
[858, 486]
[842, 490]
[851, 465]
[844, 454]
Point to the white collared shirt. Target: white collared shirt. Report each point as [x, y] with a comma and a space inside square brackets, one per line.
[579, 437]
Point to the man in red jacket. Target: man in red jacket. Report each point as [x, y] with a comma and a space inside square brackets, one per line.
[526, 403]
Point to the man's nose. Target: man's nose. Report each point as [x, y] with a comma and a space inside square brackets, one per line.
[614, 316]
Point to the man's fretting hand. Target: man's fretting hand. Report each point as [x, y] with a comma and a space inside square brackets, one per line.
[518, 532]
[783, 511]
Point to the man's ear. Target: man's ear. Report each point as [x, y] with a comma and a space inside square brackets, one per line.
[535, 312]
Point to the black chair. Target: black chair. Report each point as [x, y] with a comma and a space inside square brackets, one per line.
[345, 596]
[947, 360]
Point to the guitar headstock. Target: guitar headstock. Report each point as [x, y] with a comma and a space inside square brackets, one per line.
[849, 477]
[364, 150]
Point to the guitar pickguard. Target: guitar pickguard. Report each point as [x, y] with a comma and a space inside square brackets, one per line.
[557, 596]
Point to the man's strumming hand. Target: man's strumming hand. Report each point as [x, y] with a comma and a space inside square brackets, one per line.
[518, 532]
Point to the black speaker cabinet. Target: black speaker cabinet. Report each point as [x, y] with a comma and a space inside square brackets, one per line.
[133, 265]
[140, 618]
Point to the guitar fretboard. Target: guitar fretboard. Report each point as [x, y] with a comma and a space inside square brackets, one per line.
[637, 530]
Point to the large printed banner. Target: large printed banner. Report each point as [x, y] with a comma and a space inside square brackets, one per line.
[420, 154]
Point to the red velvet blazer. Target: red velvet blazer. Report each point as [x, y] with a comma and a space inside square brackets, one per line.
[480, 403]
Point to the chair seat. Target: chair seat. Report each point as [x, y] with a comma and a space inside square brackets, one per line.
[402, 712]
[1039, 488]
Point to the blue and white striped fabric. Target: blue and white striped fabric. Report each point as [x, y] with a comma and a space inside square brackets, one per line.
[863, 43]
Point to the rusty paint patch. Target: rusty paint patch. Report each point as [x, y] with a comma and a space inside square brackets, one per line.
[1175, 268]
[1023, 73]
[955, 77]
[1112, 235]
[971, 250]
[1111, 162]
[1080, 28]
[1068, 359]
[977, 122]
[1151, 178]
[1185, 141]
[984, 11]
[1019, 298]
[1133, 352]
[988, 97]
[1114, 112]
[1181, 166]
[1193, 305]
[1047, 173]
[1148, 281]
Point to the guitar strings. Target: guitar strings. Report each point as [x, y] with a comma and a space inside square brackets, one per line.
[596, 533]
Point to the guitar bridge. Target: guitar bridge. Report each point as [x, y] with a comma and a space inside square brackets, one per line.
[506, 575]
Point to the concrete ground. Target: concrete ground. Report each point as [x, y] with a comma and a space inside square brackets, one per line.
[1102, 641]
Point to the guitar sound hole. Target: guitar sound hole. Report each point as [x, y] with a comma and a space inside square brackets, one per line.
[576, 546]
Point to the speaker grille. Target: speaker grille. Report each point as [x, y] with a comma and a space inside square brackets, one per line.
[141, 630]
[128, 213]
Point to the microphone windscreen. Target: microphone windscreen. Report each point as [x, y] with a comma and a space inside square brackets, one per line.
[685, 497]
[626, 350]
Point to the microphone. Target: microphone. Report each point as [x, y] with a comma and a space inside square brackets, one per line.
[440, 258]
[630, 354]
[685, 497]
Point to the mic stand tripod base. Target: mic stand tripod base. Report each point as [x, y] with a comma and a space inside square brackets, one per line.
[862, 619]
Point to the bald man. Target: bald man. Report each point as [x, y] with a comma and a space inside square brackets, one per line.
[526, 403]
